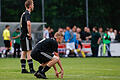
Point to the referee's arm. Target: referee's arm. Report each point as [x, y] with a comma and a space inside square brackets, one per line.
[29, 28]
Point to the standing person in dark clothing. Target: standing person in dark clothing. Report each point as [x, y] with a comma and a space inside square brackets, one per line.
[16, 37]
[51, 33]
[26, 39]
[95, 41]
[85, 34]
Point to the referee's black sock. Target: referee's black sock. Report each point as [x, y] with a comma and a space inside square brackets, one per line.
[30, 63]
[6, 52]
[45, 69]
[23, 63]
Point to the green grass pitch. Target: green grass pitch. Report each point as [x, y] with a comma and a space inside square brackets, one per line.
[74, 69]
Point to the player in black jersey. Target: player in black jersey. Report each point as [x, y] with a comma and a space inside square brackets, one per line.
[45, 52]
[25, 38]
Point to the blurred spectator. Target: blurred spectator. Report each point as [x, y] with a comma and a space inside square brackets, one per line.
[59, 33]
[6, 37]
[16, 38]
[46, 32]
[95, 41]
[74, 34]
[69, 39]
[106, 42]
[118, 37]
[111, 34]
[59, 36]
[51, 33]
[78, 41]
[88, 33]
[101, 42]
[78, 30]
[101, 31]
[68, 35]
[74, 39]
[85, 34]
[64, 30]
[115, 32]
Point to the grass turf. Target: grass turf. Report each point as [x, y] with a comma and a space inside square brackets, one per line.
[74, 69]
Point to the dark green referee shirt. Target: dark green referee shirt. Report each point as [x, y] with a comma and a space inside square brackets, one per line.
[17, 40]
[94, 40]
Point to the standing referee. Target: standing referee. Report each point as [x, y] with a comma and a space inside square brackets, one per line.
[26, 40]
[6, 37]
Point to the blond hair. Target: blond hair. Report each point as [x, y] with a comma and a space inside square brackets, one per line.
[28, 3]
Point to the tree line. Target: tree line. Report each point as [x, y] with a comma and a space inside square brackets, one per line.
[62, 13]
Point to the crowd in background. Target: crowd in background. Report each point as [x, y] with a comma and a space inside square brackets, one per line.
[72, 36]
[83, 33]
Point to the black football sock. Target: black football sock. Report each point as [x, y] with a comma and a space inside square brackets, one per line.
[45, 69]
[40, 68]
[23, 63]
[30, 63]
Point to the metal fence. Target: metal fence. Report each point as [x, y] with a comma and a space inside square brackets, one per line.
[37, 30]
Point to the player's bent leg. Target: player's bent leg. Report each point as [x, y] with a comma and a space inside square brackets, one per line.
[30, 62]
[23, 62]
[53, 61]
[39, 70]
[45, 67]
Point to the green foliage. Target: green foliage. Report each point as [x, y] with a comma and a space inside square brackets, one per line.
[60, 13]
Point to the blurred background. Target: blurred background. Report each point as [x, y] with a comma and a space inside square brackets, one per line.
[60, 13]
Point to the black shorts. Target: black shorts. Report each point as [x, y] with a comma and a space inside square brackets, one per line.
[16, 46]
[41, 57]
[7, 43]
[26, 44]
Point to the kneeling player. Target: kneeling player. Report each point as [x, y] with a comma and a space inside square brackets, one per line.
[45, 52]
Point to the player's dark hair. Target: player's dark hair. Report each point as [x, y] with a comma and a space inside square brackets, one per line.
[28, 3]
[7, 26]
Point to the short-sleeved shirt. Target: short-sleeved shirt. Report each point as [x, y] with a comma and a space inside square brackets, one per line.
[17, 40]
[106, 39]
[6, 34]
[23, 23]
[94, 39]
[47, 45]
